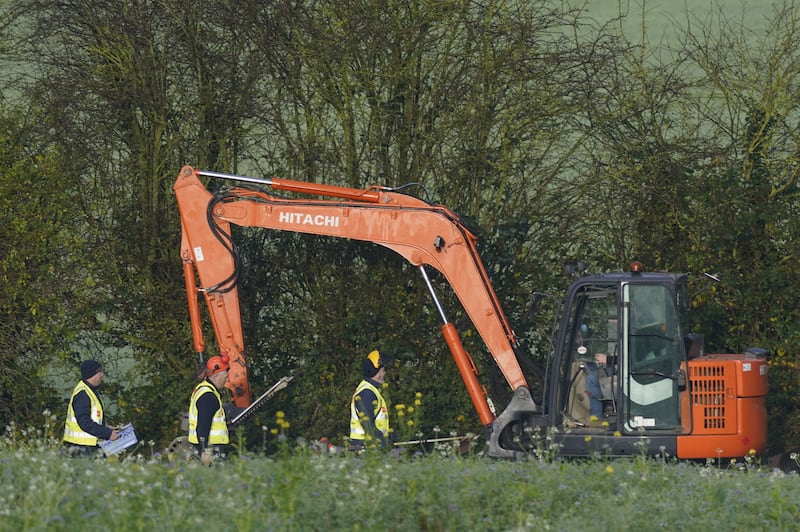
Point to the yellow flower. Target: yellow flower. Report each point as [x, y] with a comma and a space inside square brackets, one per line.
[410, 422]
[274, 431]
[385, 385]
[418, 395]
[417, 402]
[399, 406]
[279, 414]
[609, 469]
[410, 409]
[587, 439]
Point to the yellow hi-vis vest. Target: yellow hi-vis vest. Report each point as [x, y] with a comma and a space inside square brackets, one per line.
[73, 433]
[218, 435]
[380, 413]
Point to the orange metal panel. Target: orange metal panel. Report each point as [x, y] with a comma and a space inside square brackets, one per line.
[751, 373]
[750, 436]
[752, 378]
[728, 408]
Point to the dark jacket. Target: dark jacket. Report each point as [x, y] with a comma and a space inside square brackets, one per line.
[82, 406]
[207, 406]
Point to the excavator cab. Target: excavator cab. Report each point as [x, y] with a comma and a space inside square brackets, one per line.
[620, 362]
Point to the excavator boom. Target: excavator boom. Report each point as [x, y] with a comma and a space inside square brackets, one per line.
[422, 233]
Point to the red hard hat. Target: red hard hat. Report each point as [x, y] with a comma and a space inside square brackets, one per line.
[217, 364]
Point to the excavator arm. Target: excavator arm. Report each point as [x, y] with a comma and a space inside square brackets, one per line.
[422, 233]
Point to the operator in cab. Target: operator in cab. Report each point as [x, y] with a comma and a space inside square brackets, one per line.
[208, 428]
[599, 370]
[369, 415]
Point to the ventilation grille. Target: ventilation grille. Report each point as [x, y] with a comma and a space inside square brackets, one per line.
[708, 385]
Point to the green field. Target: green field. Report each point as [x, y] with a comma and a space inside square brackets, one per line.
[660, 16]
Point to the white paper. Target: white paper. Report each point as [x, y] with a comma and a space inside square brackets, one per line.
[127, 438]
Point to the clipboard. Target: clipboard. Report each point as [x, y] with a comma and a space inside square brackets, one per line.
[127, 438]
[282, 383]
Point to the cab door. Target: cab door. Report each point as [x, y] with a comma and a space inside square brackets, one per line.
[652, 354]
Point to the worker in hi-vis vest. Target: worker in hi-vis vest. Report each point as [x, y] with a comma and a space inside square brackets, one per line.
[85, 424]
[369, 415]
[208, 428]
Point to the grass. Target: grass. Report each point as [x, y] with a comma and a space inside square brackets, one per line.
[299, 489]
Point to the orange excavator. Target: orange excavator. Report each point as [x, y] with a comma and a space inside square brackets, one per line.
[623, 378]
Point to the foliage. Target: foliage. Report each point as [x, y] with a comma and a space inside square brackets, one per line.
[43, 295]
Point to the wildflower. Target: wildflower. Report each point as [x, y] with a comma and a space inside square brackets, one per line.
[410, 409]
[418, 395]
[410, 422]
[280, 414]
[587, 439]
[399, 406]
[609, 469]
